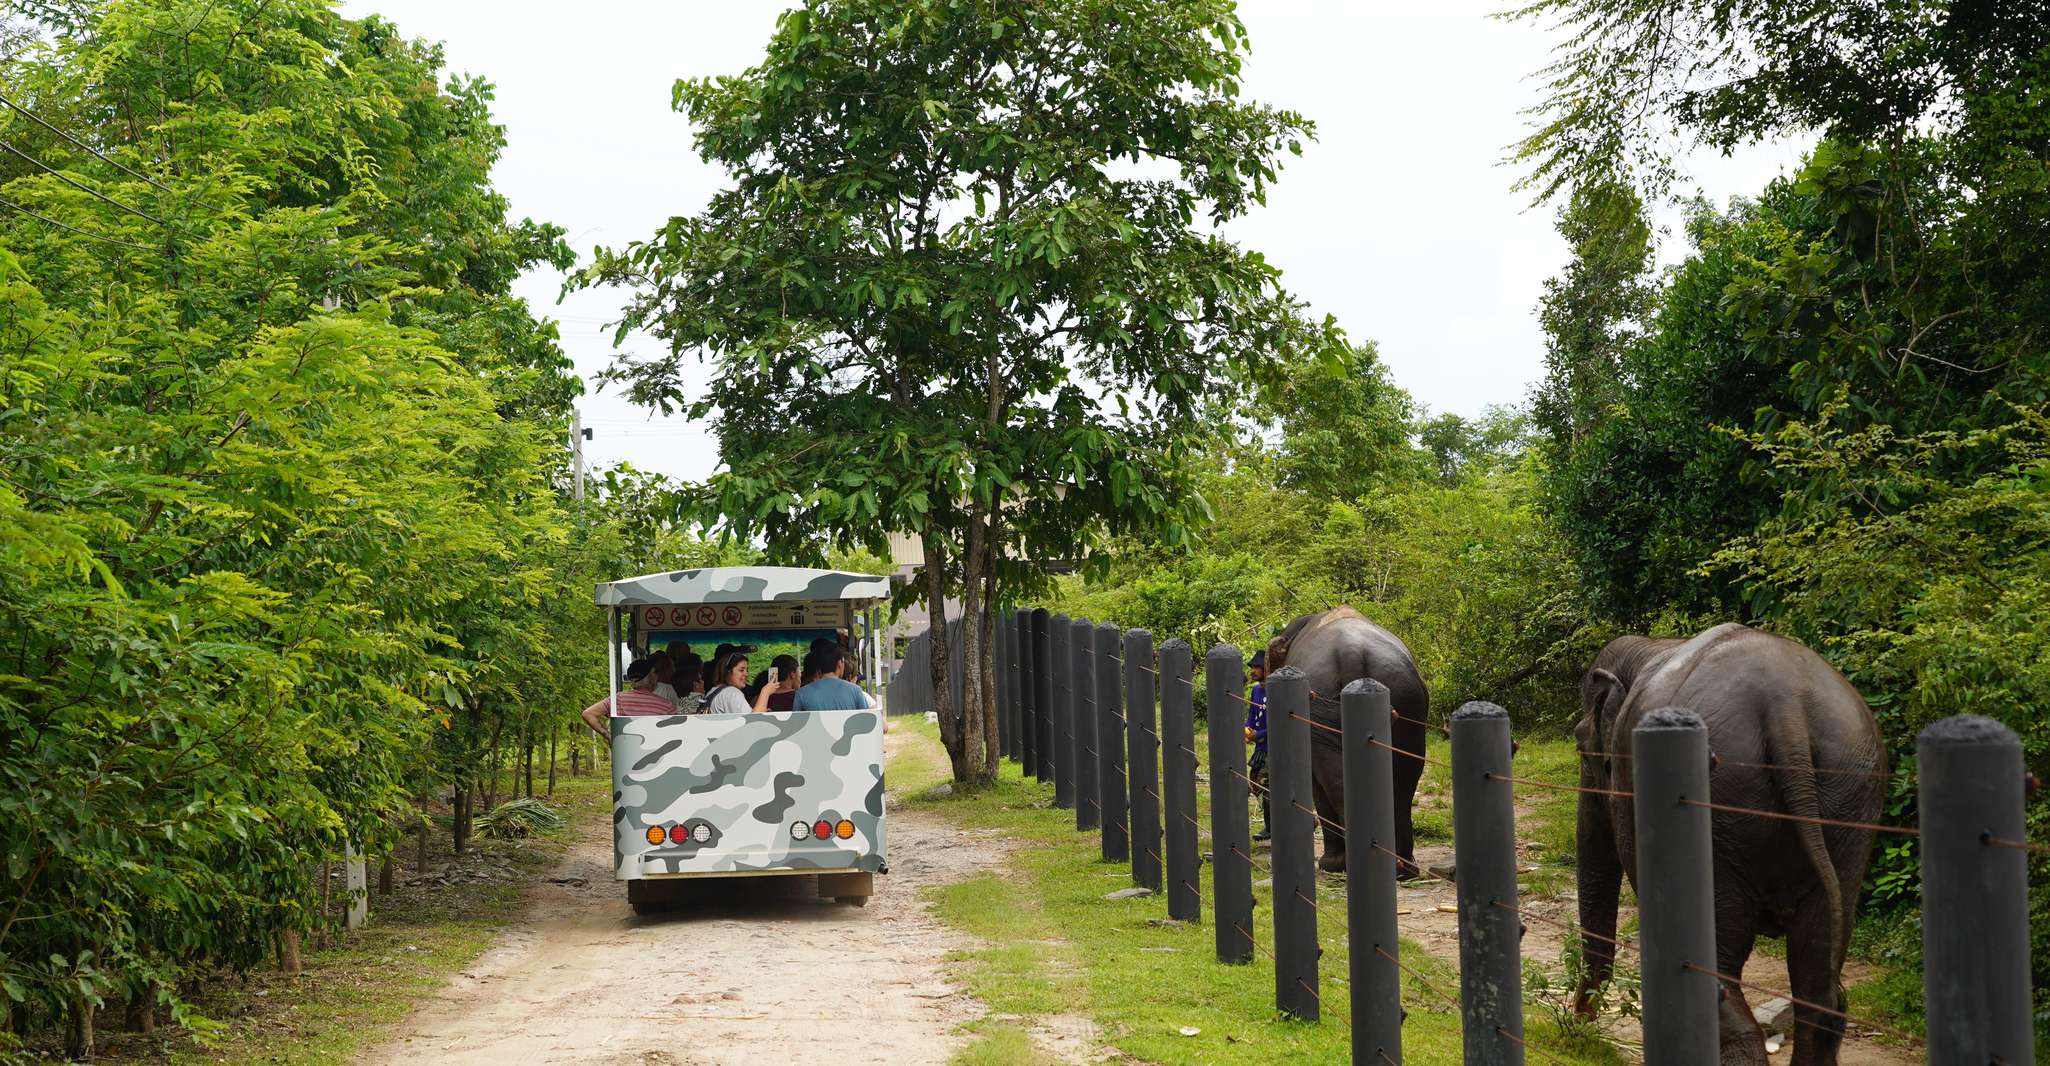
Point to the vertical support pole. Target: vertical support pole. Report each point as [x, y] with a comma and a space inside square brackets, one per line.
[1110, 743]
[1082, 718]
[356, 882]
[1142, 739]
[1178, 779]
[1370, 875]
[1675, 890]
[1028, 694]
[1000, 661]
[1042, 697]
[1484, 834]
[1059, 629]
[1014, 674]
[1231, 844]
[1295, 840]
[1975, 912]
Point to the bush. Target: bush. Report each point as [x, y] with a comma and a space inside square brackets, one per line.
[519, 818]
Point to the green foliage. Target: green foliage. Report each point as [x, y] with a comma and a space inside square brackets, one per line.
[281, 535]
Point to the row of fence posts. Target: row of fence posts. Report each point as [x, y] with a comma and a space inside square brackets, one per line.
[1077, 702]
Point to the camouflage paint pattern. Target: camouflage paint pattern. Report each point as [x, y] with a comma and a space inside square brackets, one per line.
[742, 584]
[747, 780]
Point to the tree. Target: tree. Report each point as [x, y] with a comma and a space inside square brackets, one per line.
[1344, 429]
[959, 287]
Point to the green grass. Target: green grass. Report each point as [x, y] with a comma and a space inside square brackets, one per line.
[1051, 944]
[1002, 1044]
[349, 996]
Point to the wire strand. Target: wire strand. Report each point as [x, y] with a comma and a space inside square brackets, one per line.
[83, 187]
[101, 156]
[1799, 1002]
[1902, 830]
[1534, 783]
[38, 215]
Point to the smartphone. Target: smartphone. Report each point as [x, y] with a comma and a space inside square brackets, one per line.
[772, 676]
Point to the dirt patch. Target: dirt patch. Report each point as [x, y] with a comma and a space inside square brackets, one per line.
[1432, 923]
[749, 971]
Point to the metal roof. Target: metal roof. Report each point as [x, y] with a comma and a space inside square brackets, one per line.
[742, 584]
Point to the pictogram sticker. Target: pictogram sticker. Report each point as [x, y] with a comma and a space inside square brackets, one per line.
[707, 615]
[655, 617]
[732, 616]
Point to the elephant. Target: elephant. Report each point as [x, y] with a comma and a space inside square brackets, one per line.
[1789, 736]
[1335, 648]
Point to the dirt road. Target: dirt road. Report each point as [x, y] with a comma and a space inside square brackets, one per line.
[755, 971]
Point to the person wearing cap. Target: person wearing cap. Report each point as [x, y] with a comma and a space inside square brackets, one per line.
[639, 701]
[1256, 735]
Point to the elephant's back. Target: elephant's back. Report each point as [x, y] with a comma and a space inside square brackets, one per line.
[1341, 646]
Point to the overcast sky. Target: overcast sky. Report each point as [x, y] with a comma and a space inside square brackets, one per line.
[1400, 219]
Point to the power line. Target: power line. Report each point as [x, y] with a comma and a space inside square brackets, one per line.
[81, 186]
[4, 202]
[38, 120]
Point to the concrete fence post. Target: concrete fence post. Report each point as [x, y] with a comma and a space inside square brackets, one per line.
[1042, 697]
[1142, 740]
[1110, 743]
[1082, 654]
[1000, 661]
[1059, 629]
[1295, 840]
[1028, 707]
[1490, 930]
[1178, 779]
[1370, 875]
[1231, 844]
[1975, 909]
[1675, 890]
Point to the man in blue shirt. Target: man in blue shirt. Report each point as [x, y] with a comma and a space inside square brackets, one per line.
[1256, 735]
[825, 689]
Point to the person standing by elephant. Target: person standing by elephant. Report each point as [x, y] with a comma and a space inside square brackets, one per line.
[1256, 735]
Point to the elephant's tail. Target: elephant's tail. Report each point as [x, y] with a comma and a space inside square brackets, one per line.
[1793, 756]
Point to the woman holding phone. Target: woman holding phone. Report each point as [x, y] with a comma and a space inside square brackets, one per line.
[729, 678]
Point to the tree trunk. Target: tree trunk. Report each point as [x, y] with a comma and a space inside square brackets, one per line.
[992, 744]
[327, 876]
[459, 828]
[420, 844]
[78, 1031]
[576, 751]
[942, 692]
[491, 762]
[973, 660]
[384, 876]
[527, 757]
[552, 731]
[288, 952]
[142, 1010]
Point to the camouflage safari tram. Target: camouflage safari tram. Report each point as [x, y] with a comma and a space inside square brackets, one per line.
[745, 795]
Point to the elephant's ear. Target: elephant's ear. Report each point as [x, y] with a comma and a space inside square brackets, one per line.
[1605, 702]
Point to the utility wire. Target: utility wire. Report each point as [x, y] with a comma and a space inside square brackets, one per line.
[83, 187]
[38, 120]
[11, 205]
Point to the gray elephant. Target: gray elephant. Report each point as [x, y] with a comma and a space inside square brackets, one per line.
[1767, 702]
[1335, 648]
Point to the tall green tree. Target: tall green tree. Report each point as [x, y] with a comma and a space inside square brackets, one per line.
[967, 282]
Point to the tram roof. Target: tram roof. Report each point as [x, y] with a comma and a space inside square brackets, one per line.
[742, 584]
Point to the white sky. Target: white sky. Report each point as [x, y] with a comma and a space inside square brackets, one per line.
[1399, 219]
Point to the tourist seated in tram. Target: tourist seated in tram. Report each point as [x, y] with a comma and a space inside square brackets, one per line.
[728, 696]
[639, 700]
[826, 687]
[785, 688]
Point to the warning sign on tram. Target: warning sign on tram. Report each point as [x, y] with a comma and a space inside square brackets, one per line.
[821, 614]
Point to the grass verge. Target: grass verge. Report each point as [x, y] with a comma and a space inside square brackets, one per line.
[1052, 944]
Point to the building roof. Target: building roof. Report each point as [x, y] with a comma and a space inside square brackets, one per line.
[742, 584]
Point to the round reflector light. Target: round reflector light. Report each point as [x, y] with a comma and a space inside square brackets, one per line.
[655, 834]
[679, 833]
[845, 829]
[800, 830]
[701, 832]
[822, 829]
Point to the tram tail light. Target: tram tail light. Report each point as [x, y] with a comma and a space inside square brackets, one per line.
[845, 830]
[800, 830]
[679, 833]
[822, 829]
[656, 835]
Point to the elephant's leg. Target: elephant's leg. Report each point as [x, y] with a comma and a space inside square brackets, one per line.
[1599, 878]
[1409, 735]
[1736, 926]
[1815, 959]
[1327, 790]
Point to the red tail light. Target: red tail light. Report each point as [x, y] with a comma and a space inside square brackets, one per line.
[679, 833]
[822, 829]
